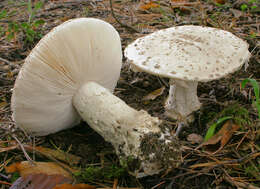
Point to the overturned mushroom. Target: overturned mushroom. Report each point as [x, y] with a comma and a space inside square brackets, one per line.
[69, 75]
[187, 55]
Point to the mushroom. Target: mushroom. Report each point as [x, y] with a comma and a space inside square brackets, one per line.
[71, 74]
[72, 54]
[187, 55]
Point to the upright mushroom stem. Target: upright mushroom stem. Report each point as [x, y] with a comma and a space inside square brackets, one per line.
[134, 134]
[182, 99]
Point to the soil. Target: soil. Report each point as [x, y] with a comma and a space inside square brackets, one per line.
[215, 96]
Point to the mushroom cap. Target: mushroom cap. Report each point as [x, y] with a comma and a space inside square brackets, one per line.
[192, 53]
[73, 53]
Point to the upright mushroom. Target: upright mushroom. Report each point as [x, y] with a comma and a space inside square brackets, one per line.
[187, 55]
[69, 75]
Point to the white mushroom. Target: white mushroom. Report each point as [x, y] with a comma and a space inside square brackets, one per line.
[72, 54]
[187, 55]
[69, 75]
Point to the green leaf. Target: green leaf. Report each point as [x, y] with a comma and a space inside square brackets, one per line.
[3, 14]
[29, 7]
[255, 85]
[37, 23]
[213, 127]
[257, 105]
[38, 5]
[243, 7]
[25, 25]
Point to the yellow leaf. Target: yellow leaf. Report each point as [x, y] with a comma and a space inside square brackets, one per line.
[3, 104]
[149, 5]
[153, 95]
[26, 168]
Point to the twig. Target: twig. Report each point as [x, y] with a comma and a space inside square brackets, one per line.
[4, 176]
[6, 183]
[5, 61]
[157, 185]
[119, 22]
[22, 148]
[14, 64]
[239, 184]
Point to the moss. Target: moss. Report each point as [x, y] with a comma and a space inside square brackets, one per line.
[94, 173]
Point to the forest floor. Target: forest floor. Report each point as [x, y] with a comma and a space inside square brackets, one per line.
[231, 161]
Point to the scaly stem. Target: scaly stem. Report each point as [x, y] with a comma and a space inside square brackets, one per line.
[182, 99]
[134, 134]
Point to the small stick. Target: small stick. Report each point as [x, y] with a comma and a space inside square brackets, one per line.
[22, 148]
[4, 176]
[5, 61]
[6, 183]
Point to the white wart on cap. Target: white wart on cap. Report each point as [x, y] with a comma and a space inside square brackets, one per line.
[73, 53]
[187, 55]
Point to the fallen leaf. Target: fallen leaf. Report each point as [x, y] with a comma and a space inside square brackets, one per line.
[57, 154]
[222, 2]
[148, 6]
[39, 181]
[43, 175]
[153, 95]
[236, 13]
[183, 5]
[195, 138]
[76, 186]
[212, 128]
[26, 168]
[222, 136]
[3, 104]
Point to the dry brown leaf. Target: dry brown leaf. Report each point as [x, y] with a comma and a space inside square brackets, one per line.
[57, 154]
[3, 104]
[26, 168]
[223, 135]
[39, 181]
[43, 175]
[195, 138]
[76, 186]
[153, 95]
[148, 6]
[183, 5]
[238, 14]
[222, 2]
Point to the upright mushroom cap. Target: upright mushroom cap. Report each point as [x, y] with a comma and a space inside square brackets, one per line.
[192, 53]
[73, 53]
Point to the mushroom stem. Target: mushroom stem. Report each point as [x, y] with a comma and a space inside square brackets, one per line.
[133, 133]
[182, 99]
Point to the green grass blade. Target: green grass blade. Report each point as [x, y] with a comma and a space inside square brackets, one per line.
[213, 127]
[257, 105]
[255, 85]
